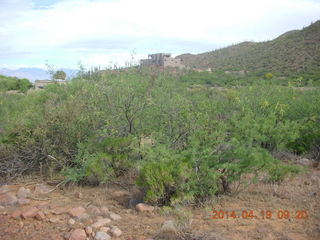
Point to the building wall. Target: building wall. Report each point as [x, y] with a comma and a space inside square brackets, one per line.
[40, 84]
[162, 60]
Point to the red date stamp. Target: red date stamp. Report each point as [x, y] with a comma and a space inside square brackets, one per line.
[263, 214]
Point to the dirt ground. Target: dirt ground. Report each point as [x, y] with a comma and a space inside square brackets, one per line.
[299, 196]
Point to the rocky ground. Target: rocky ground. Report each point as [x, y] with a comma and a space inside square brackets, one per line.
[31, 209]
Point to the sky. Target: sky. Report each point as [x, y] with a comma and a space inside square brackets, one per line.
[104, 33]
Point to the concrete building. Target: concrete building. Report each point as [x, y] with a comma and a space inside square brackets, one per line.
[162, 60]
[40, 84]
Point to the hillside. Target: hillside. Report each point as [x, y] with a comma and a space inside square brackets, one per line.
[294, 51]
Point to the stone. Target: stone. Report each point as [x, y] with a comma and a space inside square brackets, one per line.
[30, 213]
[23, 192]
[8, 198]
[59, 211]
[4, 189]
[83, 216]
[78, 195]
[41, 189]
[102, 236]
[104, 229]
[115, 216]
[134, 201]
[54, 219]
[71, 221]
[88, 230]
[142, 207]
[66, 236]
[305, 162]
[40, 216]
[94, 210]
[116, 232]
[16, 214]
[76, 212]
[23, 201]
[168, 227]
[104, 211]
[101, 223]
[78, 234]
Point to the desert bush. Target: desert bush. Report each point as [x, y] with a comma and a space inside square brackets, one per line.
[13, 83]
[203, 141]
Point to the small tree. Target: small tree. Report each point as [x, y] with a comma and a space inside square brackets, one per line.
[59, 75]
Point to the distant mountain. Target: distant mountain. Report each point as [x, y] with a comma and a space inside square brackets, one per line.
[34, 73]
[294, 51]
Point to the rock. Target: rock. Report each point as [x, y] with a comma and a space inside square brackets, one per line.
[76, 212]
[23, 192]
[94, 210]
[8, 198]
[88, 230]
[71, 221]
[142, 207]
[115, 216]
[78, 195]
[23, 201]
[134, 201]
[168, 227]
[54, 219]
[101, 222]
[104, 229]
[83, 216]
[16, 214]
[40, 216]
[41, 189]
[30, 213]
[305, 162]
[116, 232]
[102, 236]
[67, 235]
[104, 211]
[4, 189]
[78, 234]
[59, 211]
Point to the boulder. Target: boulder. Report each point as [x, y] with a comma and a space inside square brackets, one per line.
[102, 236]
[88, 230]
[23, 192]
[40, 216]
[41, 189]
[8, 198]
[104, 229]
[30, 213]
[76, 212]
[23, 201]
[168, 226]
[101, 223]
[142, 207]
[78, 234]
[16, 214]
[116, 232]
[4, 189]
[115, 216]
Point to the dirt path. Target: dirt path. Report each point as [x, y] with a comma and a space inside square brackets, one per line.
[36, 215]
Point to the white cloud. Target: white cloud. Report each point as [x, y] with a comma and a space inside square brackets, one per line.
[83, 26]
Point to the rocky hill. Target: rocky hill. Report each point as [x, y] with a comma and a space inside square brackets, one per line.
[294, 51]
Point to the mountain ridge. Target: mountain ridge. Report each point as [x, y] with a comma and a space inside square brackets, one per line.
[293, 51]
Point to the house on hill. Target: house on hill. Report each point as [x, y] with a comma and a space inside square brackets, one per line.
[40, 84]
[161, 60]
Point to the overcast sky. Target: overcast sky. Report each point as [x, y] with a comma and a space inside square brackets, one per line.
[97, 32]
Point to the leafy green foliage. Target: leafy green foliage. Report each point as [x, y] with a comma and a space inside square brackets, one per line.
[202, 140]
[59, 75]
[13, 83]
